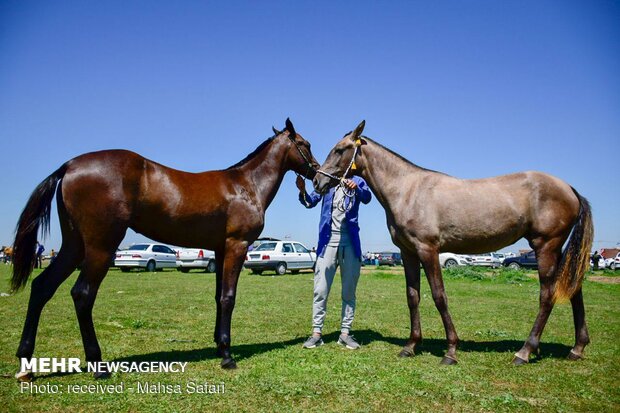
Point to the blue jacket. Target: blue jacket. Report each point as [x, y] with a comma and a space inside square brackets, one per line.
[362, 193]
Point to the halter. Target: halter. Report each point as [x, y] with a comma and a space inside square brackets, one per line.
[343, 205]
[308, 164]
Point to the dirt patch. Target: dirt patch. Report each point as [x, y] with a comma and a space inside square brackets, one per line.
[603, 279]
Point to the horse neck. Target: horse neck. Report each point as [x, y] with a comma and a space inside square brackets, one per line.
[266, 171]
[387, 173]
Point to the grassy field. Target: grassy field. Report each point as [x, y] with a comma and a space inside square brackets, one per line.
[170, 316]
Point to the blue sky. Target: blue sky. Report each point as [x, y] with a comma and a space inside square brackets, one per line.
[472, 89]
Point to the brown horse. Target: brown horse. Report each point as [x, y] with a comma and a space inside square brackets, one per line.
[101, 194]
[429, 212]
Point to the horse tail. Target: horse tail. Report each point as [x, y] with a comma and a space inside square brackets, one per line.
[575, 259]
[36, 214]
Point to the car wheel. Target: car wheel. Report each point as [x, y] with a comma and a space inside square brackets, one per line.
[184, 270]
[450, 263]
[150, 266]
[281, 268]
[514, 265]
[124, 269]
[257, 272]
[211, 266]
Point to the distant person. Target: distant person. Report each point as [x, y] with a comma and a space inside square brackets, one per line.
[595, 259]
[339, 246]
[39, 255]
[52, 255]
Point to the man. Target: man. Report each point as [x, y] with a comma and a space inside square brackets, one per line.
[39, 255]
[339, 246]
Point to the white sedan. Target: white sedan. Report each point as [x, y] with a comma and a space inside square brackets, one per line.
[280, 256]
[487, 260]
[148, 256]
[448, 260]
[189, 258]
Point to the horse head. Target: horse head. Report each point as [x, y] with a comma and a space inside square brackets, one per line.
[299, 155]
[344, 160]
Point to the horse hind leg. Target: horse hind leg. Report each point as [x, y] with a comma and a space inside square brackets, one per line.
[548, 256]
[581, 330]
[84, 293]
[42, 290]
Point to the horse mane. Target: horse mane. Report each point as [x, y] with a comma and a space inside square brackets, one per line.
[407, 161]
[255, 152]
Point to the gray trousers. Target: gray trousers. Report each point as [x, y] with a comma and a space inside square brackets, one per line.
[344, 257]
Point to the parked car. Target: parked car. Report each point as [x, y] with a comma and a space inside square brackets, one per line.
[615, 263]
[448, 260]
[390, 258]
[527, 260]
[280, 256]
[148, 256]
[486, 260]
[190, 258]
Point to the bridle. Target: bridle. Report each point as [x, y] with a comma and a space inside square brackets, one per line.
[305, 158]
[349, 194]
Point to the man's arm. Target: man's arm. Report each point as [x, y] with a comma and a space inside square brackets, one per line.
[306, 199]
[363, 191]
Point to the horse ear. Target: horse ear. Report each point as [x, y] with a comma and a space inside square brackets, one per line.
[358, 131]
[290, 128]
[277, 132]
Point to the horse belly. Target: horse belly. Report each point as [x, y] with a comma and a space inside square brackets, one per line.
[201, 232]
[474, 231]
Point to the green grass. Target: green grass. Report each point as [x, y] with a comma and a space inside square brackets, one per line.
[170, 316]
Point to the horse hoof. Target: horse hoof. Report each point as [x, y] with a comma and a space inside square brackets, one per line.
[102, 375]
[572, 356]
[229, 364]
[518, 361]
[448, 361]
[406, 352]
[24, 376]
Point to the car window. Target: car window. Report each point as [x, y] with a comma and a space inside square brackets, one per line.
[286, 247]
[157, 248]
[168, 250]
[300, 248]
[138, 247]
[266, 246]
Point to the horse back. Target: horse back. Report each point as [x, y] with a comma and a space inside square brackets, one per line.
[481, 215]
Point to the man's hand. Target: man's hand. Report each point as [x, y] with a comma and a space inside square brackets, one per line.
[301, 184]
[350, 184]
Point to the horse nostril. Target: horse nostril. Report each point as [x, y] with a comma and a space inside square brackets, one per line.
[315, 181]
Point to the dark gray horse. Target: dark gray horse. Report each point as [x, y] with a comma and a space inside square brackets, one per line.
[429, 212]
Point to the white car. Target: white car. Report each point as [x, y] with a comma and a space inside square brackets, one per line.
[486, 260]
[188, 258]
[148, 256]
[448, 259]
[280, 256]
[614, 264]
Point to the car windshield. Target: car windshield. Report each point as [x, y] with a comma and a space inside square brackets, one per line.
[138, 247]
[266, 246]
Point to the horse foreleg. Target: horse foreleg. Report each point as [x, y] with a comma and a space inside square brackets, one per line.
[42, 290]
[84, 293]
[219, 269]
[411, 263]
[233, 261]
[548, 257]
[430, 261]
